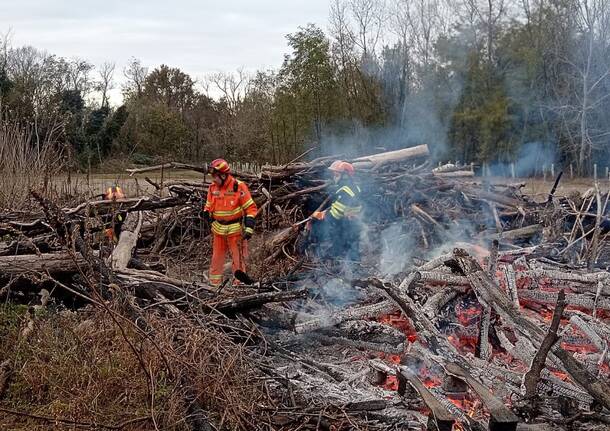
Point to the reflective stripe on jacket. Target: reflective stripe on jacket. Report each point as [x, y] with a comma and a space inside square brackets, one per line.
[228, 204]
[346, 203]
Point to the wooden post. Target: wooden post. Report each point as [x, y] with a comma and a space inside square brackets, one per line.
[472, 167]
[552, 170]
[512, 169]
[571, 171]
[595, 171]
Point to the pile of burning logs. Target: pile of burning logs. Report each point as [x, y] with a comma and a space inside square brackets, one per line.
[497, 318]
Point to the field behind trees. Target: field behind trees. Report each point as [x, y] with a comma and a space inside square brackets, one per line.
[486, 82]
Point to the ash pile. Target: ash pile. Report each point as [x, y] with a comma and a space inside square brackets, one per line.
[472, 307]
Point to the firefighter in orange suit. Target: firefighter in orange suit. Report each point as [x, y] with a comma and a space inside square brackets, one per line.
[230, 209]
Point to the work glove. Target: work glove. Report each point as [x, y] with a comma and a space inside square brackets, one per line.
[248, 227]
[206, 216]
[318, 215]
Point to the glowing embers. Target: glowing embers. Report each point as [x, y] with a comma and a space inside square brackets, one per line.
[399, 322]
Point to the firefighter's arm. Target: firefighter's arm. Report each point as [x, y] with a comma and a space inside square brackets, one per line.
[337, 208]
[208, 207]
[249, 208]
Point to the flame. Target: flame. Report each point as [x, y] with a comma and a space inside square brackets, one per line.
[113, 193]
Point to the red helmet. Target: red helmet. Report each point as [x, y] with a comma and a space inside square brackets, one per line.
[342, 167]
[219, 166]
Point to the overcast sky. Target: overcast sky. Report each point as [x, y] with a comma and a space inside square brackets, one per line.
[196, 36]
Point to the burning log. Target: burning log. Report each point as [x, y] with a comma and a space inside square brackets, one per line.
[369, 346]
[440, 417]
[511, 284]
[576, 300]
[437, 277]
[590, 278]
[599, 343]
[437, 301]
[501, 418]
[483, 345]
[532, 377]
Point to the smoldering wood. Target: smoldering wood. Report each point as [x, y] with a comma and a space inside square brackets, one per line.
[354, 313]
[532, 377]
[368, 331]
[511, 284]
[437, 301]
[330, 339]
[443, 418]
[589, 331]
[443, 278]
[501, 417]
[488, 294]
[577, 300]
[435, 263]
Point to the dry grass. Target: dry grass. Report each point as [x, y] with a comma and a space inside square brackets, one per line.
[85, 367]
[24, 165]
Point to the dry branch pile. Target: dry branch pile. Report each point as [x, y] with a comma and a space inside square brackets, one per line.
[474, 307]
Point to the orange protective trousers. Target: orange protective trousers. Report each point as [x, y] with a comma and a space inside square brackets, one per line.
[239, 252]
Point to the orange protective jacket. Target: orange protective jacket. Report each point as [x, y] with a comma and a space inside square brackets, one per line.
[228, 204]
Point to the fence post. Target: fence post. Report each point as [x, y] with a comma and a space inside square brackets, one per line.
[472, 167]
[512, 169]
[595, 171]
[571, 172]
[544, 172]
[552, 170]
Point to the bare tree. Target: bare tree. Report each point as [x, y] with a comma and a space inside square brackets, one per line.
[136, 75]
[106, 83]
[79, 76]
[369, 16]
[490, 14]
[232, 86]
[5, 44]
[593, 67]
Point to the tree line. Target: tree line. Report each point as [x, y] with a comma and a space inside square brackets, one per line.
[476, 80]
